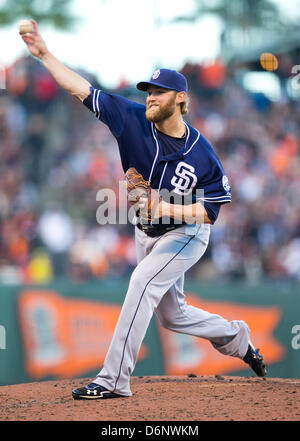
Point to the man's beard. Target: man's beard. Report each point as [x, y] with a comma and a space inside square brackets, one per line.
[161, 113]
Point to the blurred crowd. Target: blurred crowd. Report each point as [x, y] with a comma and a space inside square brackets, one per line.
[55, 156]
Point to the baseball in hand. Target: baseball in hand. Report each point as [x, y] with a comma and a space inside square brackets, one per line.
[25, 26]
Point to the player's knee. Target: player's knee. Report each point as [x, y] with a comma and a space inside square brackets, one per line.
[166, 320]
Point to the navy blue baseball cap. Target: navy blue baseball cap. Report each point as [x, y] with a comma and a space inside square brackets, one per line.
[166, 78]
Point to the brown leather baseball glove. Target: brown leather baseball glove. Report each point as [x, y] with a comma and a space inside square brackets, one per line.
[139, 190]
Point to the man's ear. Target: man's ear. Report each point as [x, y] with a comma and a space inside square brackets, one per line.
[181, 97]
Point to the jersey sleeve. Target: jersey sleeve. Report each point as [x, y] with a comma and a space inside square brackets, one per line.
[217, 191]
[213, 186]
[111, 109]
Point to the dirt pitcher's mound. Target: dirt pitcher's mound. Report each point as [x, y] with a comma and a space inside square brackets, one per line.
[188, 398]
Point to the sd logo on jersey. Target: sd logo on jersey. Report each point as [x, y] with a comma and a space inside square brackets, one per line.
[185, 179]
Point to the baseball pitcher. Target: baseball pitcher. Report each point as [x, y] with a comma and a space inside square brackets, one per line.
[178, 184]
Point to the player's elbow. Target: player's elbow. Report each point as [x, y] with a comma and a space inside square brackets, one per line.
[81, 95]
[81, 89]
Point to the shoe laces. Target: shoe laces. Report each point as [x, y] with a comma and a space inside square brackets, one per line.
[257, 355]
[92, 386]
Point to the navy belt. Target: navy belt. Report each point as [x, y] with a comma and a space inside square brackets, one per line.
[157, 230]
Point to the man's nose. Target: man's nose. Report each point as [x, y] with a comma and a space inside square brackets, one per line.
[150, 99]
[151, 96]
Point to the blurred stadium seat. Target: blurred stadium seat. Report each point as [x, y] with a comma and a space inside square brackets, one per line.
[55, 156]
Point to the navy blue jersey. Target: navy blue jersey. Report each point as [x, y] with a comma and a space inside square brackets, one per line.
[171, 144]
[193, 171]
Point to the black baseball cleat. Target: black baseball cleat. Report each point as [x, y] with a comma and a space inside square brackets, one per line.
[255, 361]
[93, 391]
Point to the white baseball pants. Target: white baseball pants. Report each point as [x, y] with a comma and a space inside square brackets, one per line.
[156, 285]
